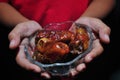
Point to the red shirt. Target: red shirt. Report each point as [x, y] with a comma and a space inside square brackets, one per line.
[49, 11]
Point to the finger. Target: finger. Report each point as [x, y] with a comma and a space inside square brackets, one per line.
[99, 27]
[96, 51]
[45, 75]
[15, 36]
[78, 69]
[104, 34]
[28, 28]
[23, 62]
[73, 72]
[14, 39]
[32, 42]
[22, 30]
[81, 67]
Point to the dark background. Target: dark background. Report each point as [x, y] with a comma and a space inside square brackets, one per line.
[104, 67]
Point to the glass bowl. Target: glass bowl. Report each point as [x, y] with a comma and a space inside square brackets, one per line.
[59, 68]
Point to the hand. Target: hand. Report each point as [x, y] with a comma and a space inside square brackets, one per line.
[18, 37]
[22, 30]
[103, 32]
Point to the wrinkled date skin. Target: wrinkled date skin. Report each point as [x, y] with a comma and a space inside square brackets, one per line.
[56, 46]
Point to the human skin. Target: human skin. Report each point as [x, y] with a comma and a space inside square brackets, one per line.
[20, 25]
[96, 24]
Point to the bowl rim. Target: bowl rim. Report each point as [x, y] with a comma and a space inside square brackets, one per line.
[69, 63]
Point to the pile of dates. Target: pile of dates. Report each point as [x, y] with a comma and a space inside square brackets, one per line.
[60, 45]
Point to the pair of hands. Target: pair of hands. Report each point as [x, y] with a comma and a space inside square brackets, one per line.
[23, 30]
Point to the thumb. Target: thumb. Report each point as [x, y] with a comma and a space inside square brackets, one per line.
[104, 34]
[14, 39]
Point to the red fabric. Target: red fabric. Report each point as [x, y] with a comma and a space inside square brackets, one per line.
[3, 0]
[49, 11]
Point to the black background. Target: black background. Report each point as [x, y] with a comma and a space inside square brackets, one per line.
[103, 67]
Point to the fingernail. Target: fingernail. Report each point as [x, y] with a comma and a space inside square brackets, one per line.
[12, 43]
[89, 59]
[46, 77]
[80, 67]
[106, 37]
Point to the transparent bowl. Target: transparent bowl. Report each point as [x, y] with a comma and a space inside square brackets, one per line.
[59, 69]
